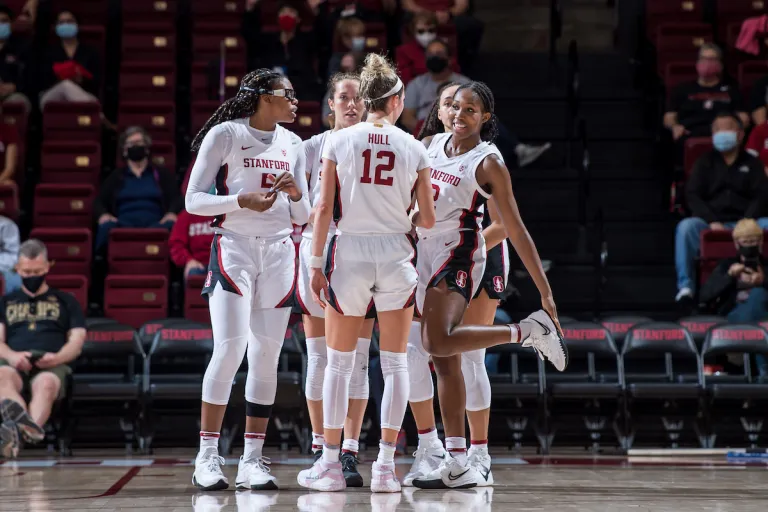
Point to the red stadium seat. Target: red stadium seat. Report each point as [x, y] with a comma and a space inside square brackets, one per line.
[149, 42]
[161, 12]
[680, 42]
[147, 81]
[206, 78]
[69, 248]
[70, 162]
[76, 285]
[67, 121]
[309, 117]
[63, 206]
[136, 300]
[87, 11]
[695, 147]
[162, 154]
[749, 73]
[228, 12]
[195, 305]
[158, 118]
[677, 73]
[201, 111]
[138, 251]
[207, 39]
[660, 11]
[9, 201]
[718, 245]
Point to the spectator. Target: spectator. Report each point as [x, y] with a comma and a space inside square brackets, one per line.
[73, 71]
[12, 55]
[290, 51]
[349, 39]
[43, 332]
[694, 105]
[411, 57]
[757, 145]
[190, 243]
[9, 151]
[348, 64]
[469, 30]
[138, 195]
[9, 253]
[727, 184]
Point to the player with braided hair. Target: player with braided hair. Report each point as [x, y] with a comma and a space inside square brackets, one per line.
[256, 170]
[467, 170]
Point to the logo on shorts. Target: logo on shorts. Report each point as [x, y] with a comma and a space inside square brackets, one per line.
[461, 279]
[498, 284]
[208, 279]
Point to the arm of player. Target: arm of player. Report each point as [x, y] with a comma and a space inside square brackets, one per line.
[199, 200]
[495, 233]
[300, 209]
[425, 216]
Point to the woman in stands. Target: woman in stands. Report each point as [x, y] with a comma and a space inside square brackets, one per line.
[348, 109]
[257, 170]
[481, 311]
[467, 170]
[370, 174]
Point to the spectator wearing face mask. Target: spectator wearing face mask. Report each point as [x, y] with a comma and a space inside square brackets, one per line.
[411, 56]
[190, 243]
[349, 38]
[290, 51]
[73, 70]
[694, 105]
[13, 52]
[727, 184]
[138, 195]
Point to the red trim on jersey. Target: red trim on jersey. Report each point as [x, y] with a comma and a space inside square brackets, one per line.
[412, 299]
[337, 208]
[332, 299]
[221, 267]
[218, 220]
[413, 190]
[290, 293]
[302, 306]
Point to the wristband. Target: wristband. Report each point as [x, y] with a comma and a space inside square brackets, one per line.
[316, 262]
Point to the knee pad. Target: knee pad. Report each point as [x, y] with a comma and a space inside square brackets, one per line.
[421, 386]
[336, 388]
[476, 382]
[317, 359]
[394, 368]
[358, 383]
[267, 334]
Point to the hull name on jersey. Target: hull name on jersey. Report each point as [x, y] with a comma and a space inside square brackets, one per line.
[445, 177]
[377, 138]
[267, 164]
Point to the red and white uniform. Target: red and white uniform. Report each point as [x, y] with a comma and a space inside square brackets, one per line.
[372, 255]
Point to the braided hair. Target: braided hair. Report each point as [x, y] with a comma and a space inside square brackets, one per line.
[433, 125]
[243, 104]
[490, 129]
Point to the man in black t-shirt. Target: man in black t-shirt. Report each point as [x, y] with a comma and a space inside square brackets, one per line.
[693, 106]
[42, 330]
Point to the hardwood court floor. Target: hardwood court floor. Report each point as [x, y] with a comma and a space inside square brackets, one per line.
[560, 484]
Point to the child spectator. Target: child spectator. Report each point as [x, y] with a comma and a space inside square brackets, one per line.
[190, 243]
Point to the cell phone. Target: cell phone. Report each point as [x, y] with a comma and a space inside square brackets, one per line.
[35, 357]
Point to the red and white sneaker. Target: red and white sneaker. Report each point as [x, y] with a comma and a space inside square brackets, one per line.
[383, 478]
[323, 476]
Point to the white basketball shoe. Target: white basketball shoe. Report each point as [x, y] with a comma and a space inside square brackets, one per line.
[208, 475]
[545, 339]
[383, 478]
[427, 459]
[253, 473]
[480, 459]
[323, 476]
[449, 475]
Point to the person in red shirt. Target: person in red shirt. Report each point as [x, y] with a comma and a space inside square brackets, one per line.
[190, 243]
[757, 145]
[411, 57]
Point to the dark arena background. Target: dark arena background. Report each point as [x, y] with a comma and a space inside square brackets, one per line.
[617, 122]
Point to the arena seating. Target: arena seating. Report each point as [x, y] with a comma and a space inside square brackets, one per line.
[618, 326]
[9, 200]
[158, 118]
[195, 305]
[136, 299]
[62, 205]
[680, 42]
[72, 121]
[683, 11]
[70, 248]
[76, 285]
[699, 325]
[695, 147]
[147, 81]
[715, 246]
[70, 162]
[150, 41]
[138, 251]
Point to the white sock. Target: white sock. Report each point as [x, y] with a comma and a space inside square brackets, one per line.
[254, 443]
[386, 453]
[350, 445]
[428, 437]
[457, 447]
[520, 332]
[331, 453]
[209, 440]
[479, 446]
[317, 442]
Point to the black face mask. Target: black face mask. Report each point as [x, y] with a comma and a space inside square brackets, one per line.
[136, 153]
[436, 63]
[33, 283]
[750, 253]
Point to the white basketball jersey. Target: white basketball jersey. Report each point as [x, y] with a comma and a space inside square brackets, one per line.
[313, 154]
[459, 200]
[252, 166]
[376, 166]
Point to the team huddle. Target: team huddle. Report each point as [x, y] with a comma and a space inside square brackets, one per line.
[409, 231]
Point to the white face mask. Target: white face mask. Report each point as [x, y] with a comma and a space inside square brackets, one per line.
[425, 38]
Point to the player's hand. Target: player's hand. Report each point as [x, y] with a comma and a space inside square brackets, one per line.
[257, 201]
[286, 183]
[168, 217]
[49, 360]
[548, 304]
[20, 361]
[318, 283]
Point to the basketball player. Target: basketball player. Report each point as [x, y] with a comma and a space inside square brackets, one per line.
[257, 168]
[372, 170]
[466, 172]
[348, 110]
[430, 451]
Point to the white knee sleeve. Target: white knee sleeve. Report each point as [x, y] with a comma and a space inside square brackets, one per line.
[267, 334]
[317, 359]
[336, 387]
[394, 367]
[419, 375]
[358, 384]
[476, 383]
[230, 317]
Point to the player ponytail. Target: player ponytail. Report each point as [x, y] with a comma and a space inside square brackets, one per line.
[433, 125]
[244, 104]
[490, 129]
[378, 78]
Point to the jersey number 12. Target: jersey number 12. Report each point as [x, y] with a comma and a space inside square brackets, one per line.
[387, 164]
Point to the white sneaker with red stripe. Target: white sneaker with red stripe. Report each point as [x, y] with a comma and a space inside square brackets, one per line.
[208, 475]
[254, 474]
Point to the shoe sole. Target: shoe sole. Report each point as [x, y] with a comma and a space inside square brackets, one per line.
[218, 486]
[560, 339]
[269, 486]
[354, 480]
[439, 484]
[13, 411]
